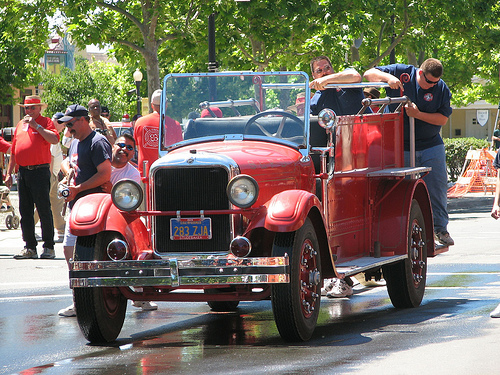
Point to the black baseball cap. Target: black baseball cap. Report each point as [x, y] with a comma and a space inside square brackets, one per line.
[74, 110]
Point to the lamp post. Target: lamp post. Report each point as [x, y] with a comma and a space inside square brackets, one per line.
[138, 79]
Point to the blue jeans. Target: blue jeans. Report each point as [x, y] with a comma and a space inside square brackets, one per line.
[436, 181]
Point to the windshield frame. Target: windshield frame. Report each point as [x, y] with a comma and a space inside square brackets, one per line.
[303, 86]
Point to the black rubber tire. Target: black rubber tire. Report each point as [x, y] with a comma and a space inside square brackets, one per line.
[8, 221]
[15, 222]
[100, 311]
[296, 304]
[406, 279]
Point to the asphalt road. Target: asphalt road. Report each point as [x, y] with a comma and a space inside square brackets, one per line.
[450, 333]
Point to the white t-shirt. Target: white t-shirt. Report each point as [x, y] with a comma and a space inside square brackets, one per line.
[128, 171]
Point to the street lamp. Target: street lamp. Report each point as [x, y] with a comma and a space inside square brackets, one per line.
[138, 79]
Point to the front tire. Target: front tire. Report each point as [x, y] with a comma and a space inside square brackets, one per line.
[100, 311]
[296, 305]
[406, 279]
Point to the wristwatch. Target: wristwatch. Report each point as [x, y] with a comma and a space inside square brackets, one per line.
[38, 126]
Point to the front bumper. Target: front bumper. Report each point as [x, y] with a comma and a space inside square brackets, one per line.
[196, 270]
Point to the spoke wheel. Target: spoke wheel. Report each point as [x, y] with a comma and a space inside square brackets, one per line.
[15, 222]
[8, 221]
[296, 305]
[100, 311]
[406, 279]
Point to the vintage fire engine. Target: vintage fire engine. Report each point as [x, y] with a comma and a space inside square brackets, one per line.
[263, 202]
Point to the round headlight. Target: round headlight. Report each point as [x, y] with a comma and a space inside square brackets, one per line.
[242, 191]
[127, 195]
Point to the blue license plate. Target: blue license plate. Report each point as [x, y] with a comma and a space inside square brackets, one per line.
[191, 228]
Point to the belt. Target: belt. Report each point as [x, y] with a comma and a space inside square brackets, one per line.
[31, 167]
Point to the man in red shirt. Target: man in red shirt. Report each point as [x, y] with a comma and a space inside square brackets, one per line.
[31, 152]
[146, 133]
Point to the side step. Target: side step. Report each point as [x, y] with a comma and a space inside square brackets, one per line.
[352, 267]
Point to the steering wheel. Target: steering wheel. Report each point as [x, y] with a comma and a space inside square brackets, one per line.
[279, 131]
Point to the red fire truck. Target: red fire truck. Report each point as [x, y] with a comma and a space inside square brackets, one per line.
[260, 200]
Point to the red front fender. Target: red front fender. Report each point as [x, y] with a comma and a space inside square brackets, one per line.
[287, 211]
[96, 213]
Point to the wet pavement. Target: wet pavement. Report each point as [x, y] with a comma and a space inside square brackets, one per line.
[451, 332]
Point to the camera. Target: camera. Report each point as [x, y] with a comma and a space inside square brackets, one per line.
[63, 191]
[102, 131]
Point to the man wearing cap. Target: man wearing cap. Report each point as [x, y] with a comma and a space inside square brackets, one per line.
[99, 123]
[31, 152]
[89, 161]
[146, 133]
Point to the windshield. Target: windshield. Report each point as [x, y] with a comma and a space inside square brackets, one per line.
[269, 105]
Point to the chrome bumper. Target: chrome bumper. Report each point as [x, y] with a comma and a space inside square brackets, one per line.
[180, 271]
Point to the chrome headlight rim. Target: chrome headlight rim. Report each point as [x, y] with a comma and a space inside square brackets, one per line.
[135, 190]
[240, 179]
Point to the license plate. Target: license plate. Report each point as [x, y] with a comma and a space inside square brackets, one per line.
[191, 228]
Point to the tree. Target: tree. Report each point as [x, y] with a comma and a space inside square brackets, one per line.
[24, 31]
[97, 80]
[131, 27]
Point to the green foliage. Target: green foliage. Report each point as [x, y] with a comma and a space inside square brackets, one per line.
[23, 37]
[456, 151]
[106, 82]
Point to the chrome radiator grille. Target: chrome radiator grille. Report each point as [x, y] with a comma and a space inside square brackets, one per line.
[191, 189]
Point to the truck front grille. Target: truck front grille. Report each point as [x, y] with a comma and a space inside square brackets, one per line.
[191, 189]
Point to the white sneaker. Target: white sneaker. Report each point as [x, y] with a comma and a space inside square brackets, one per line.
[68, 311]
[327, 286]
[145, 305]
[340, 289]
[496, 313]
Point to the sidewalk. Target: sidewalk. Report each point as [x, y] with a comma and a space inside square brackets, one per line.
[19, 275]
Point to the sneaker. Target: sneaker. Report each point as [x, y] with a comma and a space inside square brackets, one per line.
[68, 311]
[26, 254]
[340, 289]
[38, 237]
[145, 305]
[496, 313]
[48, 253]
[328, 285]
[444, 238]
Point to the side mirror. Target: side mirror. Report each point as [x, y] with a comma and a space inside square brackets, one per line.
[327, 119]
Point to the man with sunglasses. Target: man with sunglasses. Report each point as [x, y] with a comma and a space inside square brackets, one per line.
[430, 106]
[31, 152]
[89, 161]
[342, 101]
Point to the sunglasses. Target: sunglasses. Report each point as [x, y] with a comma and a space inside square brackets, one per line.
[327, 68]
[429, 81]
[70, 124]
[123, 145]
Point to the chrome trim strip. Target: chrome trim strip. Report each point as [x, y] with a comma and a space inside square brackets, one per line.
[186, 281]
[175, 272]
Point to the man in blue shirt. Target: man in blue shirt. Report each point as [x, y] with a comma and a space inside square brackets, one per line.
[431, 109]
[342, 101]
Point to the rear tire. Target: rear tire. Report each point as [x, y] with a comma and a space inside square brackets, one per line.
[296, 305]
[100, 311]
[406, 279]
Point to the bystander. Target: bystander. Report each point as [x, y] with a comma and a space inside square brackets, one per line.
[31, 152]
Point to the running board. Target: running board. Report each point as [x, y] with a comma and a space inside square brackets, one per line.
[355, 266]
